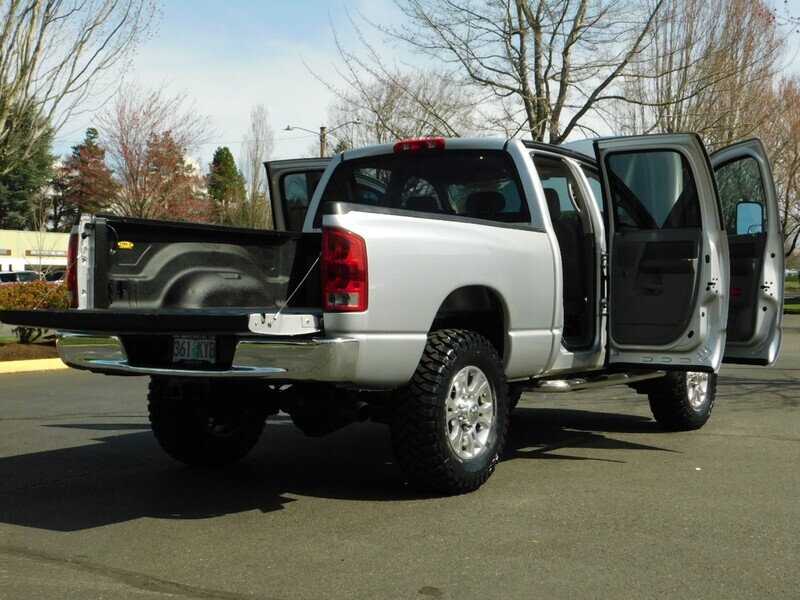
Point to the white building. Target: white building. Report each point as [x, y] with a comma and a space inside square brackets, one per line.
[32, 250]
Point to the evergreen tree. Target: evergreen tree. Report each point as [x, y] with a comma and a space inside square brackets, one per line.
[22, 187]
[84, 182]
[225, 183]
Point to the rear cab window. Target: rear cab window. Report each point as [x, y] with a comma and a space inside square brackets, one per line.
[478, 184]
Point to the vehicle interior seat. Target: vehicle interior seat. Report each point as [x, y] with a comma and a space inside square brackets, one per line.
[574, 269]
[485, 205]
[428, 204]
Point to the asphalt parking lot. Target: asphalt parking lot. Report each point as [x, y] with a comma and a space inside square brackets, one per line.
[591, 501]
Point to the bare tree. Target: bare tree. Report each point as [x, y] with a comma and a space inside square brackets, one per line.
[709, 67]
[257, 147]
[52, 53]
[544, 64]
[380, 101]
[781, 136]
[148, 138]
[393, 105]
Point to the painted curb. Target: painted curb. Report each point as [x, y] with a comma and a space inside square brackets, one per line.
[31, 366]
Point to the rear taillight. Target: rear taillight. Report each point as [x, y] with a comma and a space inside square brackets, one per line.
[344, 271]
[72, 269]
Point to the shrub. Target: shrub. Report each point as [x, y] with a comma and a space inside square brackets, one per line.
[36, 294]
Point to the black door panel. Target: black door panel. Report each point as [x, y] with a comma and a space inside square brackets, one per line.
[747, 260]
[653, 290]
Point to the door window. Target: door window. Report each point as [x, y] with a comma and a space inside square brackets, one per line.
[297, 189]
[593, 177]
[653, 190]
[740, 188]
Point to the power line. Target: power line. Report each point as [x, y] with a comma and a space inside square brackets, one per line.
[277, 139]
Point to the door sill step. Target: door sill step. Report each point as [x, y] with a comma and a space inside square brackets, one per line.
[552, 386]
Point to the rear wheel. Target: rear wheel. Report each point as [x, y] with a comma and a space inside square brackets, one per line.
[205, 423]
[449, 424]
[682, 400]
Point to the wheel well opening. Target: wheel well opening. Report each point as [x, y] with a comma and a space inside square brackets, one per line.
[477, 309]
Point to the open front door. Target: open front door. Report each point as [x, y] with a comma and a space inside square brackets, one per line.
[667, 269]
[750, 206]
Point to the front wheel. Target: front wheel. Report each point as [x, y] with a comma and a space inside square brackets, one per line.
[205, 423]
[682, 400]
[450, 422]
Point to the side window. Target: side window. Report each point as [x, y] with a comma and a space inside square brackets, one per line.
[297, 189]
[653, 190]
[593, 177]
[561, 191]
[369, 186]
[741, 191]
[369, 193]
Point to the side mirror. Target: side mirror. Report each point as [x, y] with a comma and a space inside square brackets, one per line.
[749, 218]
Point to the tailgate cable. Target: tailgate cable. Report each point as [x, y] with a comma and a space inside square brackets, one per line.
[299, 285]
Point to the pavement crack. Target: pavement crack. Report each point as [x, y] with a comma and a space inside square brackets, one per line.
[46, 482]
[132, 579]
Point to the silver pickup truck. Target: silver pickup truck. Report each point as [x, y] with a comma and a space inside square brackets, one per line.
[426, 284]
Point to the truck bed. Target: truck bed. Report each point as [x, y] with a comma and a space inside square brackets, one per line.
[159, 265]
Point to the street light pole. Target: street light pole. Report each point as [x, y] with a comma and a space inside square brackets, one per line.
[323, 134]
[323, 142]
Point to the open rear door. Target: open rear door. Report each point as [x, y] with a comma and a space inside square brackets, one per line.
[291, 184]
[667, 269]
[755, 241]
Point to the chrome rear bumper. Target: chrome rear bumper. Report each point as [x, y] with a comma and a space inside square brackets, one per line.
[309, 359]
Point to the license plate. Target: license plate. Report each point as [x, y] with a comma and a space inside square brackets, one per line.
[203, 349]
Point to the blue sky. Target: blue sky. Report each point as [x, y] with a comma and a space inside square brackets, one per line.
[230, 55]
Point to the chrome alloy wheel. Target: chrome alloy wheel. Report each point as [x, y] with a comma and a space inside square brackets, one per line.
[696, 389]
[469, 413]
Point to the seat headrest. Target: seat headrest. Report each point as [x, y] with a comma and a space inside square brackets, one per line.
[553, 204]
[423, 204]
